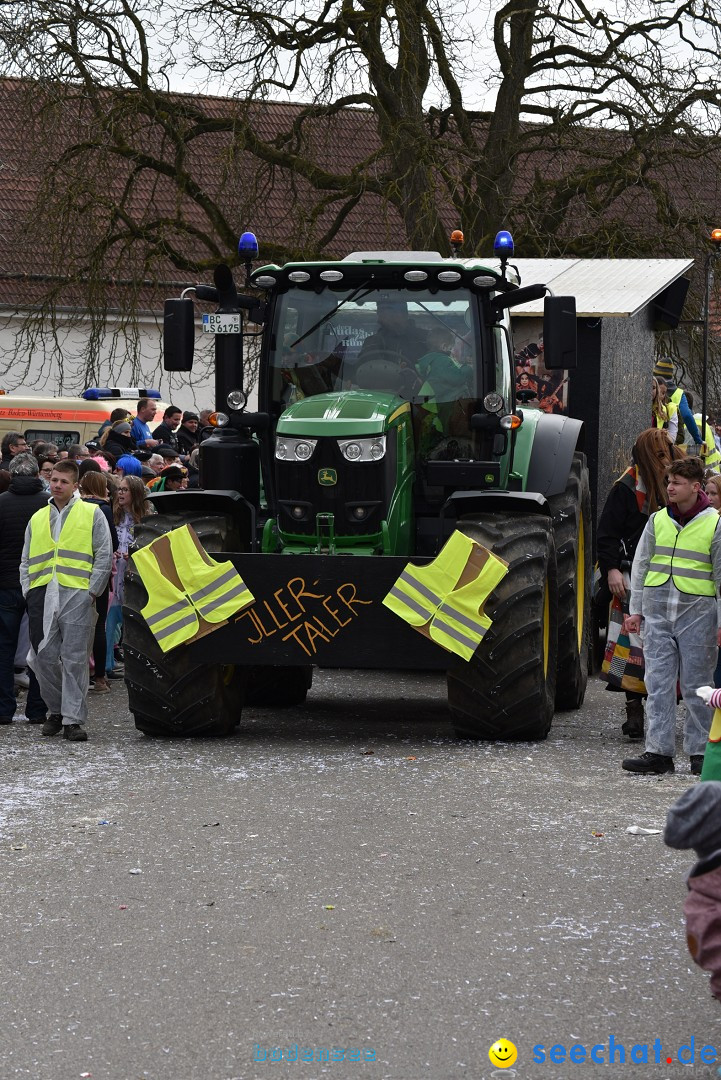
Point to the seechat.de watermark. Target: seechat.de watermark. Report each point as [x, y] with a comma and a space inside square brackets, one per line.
[613, 1052]
[308, 1054]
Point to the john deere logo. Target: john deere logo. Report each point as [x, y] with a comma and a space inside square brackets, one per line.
[327, 477]
[489, 478]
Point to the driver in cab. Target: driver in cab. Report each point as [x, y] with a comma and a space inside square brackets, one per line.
[396, 336]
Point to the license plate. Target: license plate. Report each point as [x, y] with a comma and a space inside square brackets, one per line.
[222, 323]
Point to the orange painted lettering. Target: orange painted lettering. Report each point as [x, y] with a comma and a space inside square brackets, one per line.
[351, 599]
[333, 612]
[256, 624]
[296, 588]
[270, 611]
[294, 633]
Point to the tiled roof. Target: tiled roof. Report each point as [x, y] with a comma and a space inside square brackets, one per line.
[273, 201]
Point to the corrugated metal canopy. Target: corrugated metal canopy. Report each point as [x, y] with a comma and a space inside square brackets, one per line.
[603, 287]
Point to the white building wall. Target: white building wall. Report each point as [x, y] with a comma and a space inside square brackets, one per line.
[56, 363]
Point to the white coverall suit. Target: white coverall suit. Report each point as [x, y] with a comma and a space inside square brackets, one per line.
[62, 623]
[679, 642]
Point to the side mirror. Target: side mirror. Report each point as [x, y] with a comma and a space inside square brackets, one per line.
[178, 335]
[560, 350]
[516, 297]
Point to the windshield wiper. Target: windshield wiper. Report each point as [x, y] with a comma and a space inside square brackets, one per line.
[328, 315]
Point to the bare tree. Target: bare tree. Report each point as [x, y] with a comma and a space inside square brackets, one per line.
[597, 139]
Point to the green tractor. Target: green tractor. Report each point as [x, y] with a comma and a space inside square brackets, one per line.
[387, 423]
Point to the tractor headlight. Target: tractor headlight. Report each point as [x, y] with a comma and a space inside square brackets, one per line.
[287, 449]
[351, 451]
[372, 449]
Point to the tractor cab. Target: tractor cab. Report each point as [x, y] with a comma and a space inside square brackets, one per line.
[374, 374]
[386, 394]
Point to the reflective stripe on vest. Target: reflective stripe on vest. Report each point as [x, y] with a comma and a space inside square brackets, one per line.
[684, 555]
[675, 399]
[210, 589]
[712, 457]
[459, 624]
[70, 558]
[216, 590]
[420, 590]
[427, 597]
[170, 616]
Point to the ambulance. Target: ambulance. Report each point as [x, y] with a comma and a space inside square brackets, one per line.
[66, 420]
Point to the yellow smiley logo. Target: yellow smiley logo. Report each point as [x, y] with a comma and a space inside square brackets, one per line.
[502, 1054]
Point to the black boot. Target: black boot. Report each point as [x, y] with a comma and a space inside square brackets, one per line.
[633, 724]
[648, 763]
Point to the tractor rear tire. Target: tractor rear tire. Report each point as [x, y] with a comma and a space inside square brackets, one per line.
[168, 694]
[507, 689]
[572, 531]
[282, 687]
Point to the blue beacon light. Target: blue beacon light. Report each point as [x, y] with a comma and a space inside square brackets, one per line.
[248, 245]
[503, 244]
[503, 247]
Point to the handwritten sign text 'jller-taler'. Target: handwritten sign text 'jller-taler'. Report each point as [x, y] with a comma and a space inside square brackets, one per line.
[297, 612]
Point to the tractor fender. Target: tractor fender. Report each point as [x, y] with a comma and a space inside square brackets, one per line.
[462, 503]
[555, 440]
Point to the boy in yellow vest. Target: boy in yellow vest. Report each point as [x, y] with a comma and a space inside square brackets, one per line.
[675, 582]
[66, 561]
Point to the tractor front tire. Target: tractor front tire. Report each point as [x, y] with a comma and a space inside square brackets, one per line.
[572, 531]
[507, 689]
[169, 694]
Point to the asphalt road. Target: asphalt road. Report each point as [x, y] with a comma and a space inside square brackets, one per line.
[343, 875]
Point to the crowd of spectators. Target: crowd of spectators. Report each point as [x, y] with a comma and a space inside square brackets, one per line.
[114, 472]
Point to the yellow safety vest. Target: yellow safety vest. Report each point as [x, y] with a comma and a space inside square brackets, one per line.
[684, 555]
[712, 457]
[675, 400]
[665, 413]
[212, 590]
[169, 614]
[70, 558]
[429, 598]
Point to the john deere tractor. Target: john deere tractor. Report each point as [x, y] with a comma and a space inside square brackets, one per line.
[387, 425]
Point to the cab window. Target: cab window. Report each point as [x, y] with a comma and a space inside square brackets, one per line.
[418, 345]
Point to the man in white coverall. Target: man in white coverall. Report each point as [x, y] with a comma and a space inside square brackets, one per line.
[66, 561]
[675, 582]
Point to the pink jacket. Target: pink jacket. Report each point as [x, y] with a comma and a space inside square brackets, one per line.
[703, 923]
